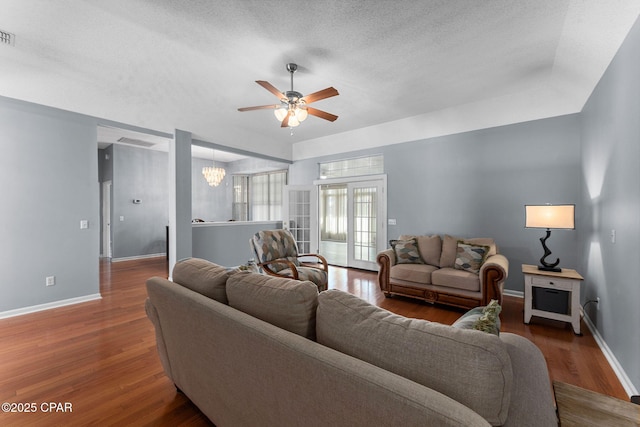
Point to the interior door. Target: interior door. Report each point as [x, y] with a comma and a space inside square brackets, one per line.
[300, 216]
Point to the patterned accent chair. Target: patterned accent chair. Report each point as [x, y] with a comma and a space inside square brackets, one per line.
[277, 254]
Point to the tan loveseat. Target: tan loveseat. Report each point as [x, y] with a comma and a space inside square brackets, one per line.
[438, 276]
[255, 350]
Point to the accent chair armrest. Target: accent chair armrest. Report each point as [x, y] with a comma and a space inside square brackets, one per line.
[322, 259]
[493, 274]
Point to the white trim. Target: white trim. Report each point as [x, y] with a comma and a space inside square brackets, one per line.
[48, 306]
[517, 294]
[611, 358]
[131, 258]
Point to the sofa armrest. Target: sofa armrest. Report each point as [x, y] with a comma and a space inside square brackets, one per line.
[532, 400]
[386, 259]
[493, 274]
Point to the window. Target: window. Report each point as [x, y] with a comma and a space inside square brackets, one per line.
[266, 195]
[240, 197]
[359, 166]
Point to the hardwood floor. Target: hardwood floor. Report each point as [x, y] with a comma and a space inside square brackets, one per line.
[97, 361]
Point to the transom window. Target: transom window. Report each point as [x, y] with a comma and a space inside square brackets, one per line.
[359, 166]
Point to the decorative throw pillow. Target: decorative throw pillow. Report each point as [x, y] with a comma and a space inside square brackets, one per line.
[406, 251]
[470, 257]
[490, 320]
[485, 319]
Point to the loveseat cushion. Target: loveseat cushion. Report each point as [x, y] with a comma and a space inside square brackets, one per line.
[420, 273]
[470, 367]
[287, 303]
[458, 279]
[203, 276]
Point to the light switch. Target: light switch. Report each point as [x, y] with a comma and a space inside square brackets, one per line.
[121, 217]
[613, 235]
[391, 221]
[84, 224]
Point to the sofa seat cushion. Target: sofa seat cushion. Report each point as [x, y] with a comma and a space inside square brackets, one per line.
[419, 273]
[203, 276]
[458, 279]
[470, 367]
[286, 303]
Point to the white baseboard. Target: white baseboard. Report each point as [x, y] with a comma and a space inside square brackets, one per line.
[48, 306]
[611, 358]
[131, 258]
[517, 294]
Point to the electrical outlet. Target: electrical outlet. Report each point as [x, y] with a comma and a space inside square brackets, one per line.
[598, 303]
[50, 280]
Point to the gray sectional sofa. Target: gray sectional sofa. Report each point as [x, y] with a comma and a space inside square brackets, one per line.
[255, 350]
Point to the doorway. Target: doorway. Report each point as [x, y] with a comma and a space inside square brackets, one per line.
[352, 221]
[106, 220]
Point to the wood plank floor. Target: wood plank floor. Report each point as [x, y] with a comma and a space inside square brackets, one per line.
[99, 359]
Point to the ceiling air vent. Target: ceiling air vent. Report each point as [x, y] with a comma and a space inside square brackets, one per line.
[138, 142]
[7, 38]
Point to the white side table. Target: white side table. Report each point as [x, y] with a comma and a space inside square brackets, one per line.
[566, 280]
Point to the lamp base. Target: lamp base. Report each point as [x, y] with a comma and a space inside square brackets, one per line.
[555, 269]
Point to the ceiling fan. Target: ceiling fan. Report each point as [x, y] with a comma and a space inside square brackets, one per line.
[294, 107]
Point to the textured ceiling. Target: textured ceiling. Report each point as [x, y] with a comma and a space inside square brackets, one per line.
[404, 69]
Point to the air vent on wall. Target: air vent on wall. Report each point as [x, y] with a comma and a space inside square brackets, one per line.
[7, 38]
[137, 142]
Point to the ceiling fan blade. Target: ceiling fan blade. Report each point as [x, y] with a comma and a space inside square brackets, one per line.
[259, 107]
[322, 114]
[271, 88]
[321, 94]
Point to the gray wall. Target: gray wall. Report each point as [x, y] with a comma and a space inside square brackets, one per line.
[476, 184]
[611, 200]
[228, 243]
[139, 174]
[49, 175]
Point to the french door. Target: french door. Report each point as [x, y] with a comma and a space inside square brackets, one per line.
[366, 231]
[343, 220]
[352, 221]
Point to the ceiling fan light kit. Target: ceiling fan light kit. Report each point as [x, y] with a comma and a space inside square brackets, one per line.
[293, 108]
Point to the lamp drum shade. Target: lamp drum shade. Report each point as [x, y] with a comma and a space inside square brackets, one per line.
[550, 216]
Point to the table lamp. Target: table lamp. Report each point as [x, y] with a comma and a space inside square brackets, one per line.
[550, 217]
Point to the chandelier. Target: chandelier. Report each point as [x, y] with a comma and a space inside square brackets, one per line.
[213, 175]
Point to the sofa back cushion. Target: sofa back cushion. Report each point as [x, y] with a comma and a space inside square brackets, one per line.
[287, 303]
[203, 276]
[469, 366]
[430, 248]
[450, 248]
